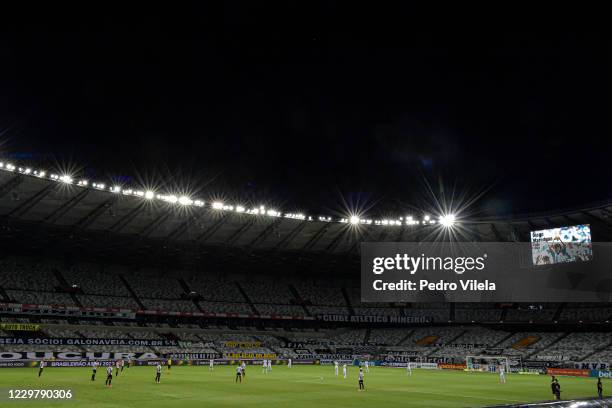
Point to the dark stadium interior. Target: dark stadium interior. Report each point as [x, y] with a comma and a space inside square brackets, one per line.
[196, 188]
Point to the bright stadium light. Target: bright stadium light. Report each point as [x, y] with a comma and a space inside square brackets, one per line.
[444, 214]
[66, 179]
[185, 200]
[447, 220]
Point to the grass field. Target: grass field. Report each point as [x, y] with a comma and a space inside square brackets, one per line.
[301, 386]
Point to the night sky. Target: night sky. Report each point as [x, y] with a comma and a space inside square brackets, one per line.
[309, 108]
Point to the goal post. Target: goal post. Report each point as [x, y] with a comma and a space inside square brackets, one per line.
[487, 363]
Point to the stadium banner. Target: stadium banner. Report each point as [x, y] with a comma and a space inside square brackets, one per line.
[149, 362]
[19, 326]
[18, 364]
[573, 372]
[331, 361]
[62, 310]
[79, 363]
[397, 364]
[448, 366]
[601, 373]
[192, 356]
[484, 272]
[242, 344]
[74, 355]
[249, 355]
[374, 319]
[46, 341]
[592, 365]
[113, 313]
[529, 372]
[426, 366]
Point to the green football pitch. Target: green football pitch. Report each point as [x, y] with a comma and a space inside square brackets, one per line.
[300, 386]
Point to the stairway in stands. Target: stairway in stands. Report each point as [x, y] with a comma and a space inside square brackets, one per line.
[299, 299]
[405, 338]
[366, 338]
[348, 302]
[65, 286]
[558, 312]
[3, 295]
[451, 341]
[241, 289]
[510, 334]
[129, 288]
[557, 340]
[188, 291]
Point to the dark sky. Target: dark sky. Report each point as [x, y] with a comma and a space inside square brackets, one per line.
[308, 105]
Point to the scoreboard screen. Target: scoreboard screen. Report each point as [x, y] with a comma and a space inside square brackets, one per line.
[560, 245]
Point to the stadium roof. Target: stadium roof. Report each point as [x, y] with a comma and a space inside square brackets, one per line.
[28, 202]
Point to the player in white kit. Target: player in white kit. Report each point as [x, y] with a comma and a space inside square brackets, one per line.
[336, 367]
[408, 368]
[211, 365]
[264, 366]
[344, 370]
[158, 370]
[109, 376]
[289, 363]
[367, 366]
[502, 374]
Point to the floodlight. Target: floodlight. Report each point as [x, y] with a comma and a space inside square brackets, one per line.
[354, 219]
[185, 200]
[447, 220]
[149, 195]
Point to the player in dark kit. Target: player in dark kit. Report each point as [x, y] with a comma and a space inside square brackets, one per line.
[556, 388]
[238, 374]
[41, 366]
[599, 388]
